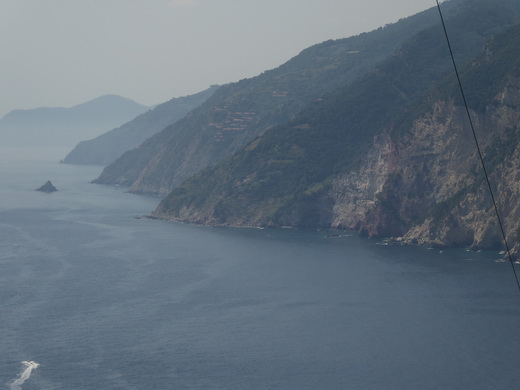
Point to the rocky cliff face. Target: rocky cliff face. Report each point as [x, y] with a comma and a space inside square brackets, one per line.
[426, 185]
[390, 155]
[407, 169]
[423, 185]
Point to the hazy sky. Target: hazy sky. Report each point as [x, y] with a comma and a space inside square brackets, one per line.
[65, 52]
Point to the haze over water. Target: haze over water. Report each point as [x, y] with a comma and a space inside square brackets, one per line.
[102, 300]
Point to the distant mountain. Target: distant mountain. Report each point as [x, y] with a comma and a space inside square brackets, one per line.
[388, 155]
[64, 127]
[239, 112]
[106, 148]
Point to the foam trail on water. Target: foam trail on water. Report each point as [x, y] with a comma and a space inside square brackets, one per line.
[29, 367]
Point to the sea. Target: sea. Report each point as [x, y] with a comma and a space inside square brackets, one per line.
[92, 297]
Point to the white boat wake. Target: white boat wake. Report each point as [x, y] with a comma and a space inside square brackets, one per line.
[29, 367]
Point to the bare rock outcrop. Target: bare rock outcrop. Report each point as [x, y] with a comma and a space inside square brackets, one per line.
[427, 185]
[47, 187]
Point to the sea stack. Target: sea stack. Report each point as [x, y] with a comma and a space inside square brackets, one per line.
[47, 187]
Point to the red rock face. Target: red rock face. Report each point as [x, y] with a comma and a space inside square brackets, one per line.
[430, 184]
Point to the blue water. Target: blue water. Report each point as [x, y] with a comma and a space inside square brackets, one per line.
[102, 300]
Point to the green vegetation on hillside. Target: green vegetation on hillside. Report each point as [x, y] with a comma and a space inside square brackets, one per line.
[281, 177]
[211, 132]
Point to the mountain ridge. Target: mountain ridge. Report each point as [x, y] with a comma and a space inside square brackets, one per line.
[241, 111]
[107, 147]
[61, 126]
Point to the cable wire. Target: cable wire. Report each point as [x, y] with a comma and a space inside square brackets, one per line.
[477, 144]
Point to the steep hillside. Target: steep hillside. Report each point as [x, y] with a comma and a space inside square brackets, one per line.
[65, 127]
[430, 186]
[297, 174]
[239, 112]
[107, 147]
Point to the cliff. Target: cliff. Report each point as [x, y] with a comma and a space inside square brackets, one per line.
[427, 186]
[425, 183]
[411, 173]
